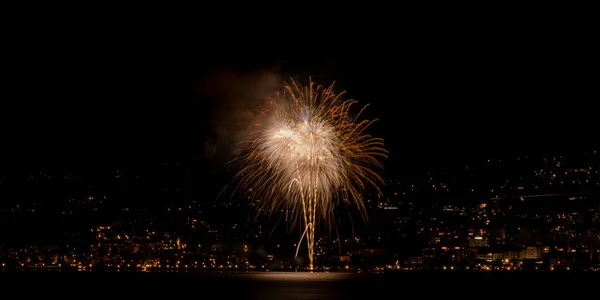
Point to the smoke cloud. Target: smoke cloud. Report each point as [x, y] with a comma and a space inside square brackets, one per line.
[234, 98]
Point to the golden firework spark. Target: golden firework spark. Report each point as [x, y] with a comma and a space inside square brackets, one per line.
[306, 154]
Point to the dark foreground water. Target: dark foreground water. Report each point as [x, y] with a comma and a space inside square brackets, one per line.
[300, 285]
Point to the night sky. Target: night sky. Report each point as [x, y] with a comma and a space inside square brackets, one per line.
[102, 93]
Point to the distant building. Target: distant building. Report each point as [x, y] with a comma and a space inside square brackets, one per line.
[532, 253]
[478, 241]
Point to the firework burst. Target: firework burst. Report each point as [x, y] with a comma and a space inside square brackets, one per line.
[306, 154]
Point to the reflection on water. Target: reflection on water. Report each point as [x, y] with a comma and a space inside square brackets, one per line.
[300, 285]
[297, 276]
[275, 285]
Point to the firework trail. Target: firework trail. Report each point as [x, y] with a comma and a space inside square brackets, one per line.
[305, 154]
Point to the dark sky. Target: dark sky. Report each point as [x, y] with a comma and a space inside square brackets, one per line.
[111, 91]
